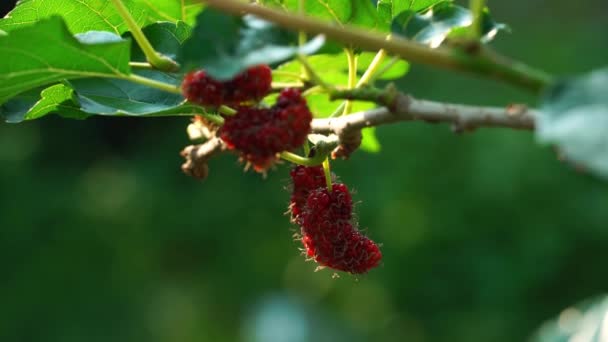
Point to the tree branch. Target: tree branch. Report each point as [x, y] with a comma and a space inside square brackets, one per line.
[406, 108]
[483, 62]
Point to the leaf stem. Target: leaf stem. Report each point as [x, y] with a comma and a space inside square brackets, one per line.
[352, 77]
[141, 65]
[281, 85]
[477, 7]
[483, 64]
[314, 77]
[170, 88]
[381, 72]
[157, 60]
[286, 74]
[302, 40]
[372, 68]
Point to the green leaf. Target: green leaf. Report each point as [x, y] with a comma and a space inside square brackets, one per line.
[171, 10]
[584, 322]
[57, 99]
[433, 26]
[46, 53]
[389, 9]
[574, 117]
[236, 43]
[370, 142]
[166, 38]
[79, 15]
[344, 12]
[104, 96]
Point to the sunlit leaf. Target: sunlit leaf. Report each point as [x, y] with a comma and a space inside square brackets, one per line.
[370, 142]
[434, 25]
[79, 15]
[171, 11]
[343, 12]
[46, 53]
[584, 322]
[389, 9]
[574, 117]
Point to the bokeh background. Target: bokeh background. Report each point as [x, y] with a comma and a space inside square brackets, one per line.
[485, 235]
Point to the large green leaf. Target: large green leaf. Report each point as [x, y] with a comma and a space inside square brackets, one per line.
[574, 117]
[79, 15]
[584, 322]
[104, 96]
[46, 53]
[343, 12]
[433, 26]
[171, 10]
[224, 45]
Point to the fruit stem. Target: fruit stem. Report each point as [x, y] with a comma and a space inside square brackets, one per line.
[305, 161]
[223, 109]
[327, 171]
[157, 60]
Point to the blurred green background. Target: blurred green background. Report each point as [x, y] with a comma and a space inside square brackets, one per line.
[485, 235]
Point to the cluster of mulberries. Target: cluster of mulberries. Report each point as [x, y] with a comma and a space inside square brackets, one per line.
[250, 85]
[329, 234]
[260, 133]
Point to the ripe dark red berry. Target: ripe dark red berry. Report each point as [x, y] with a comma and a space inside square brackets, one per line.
[329, 235]
[250, 85]
[253, 84]
[304, 180]
[260, 133]
[199, 88]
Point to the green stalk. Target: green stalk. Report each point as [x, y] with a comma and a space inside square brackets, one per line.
[141, 65]
[223, 109]
[477, 7]
[170, 88]
[372, 68]
[352, 77]
[302, 40]
[157, 60]
[314, 77]
[327, 171]
[296, 159]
